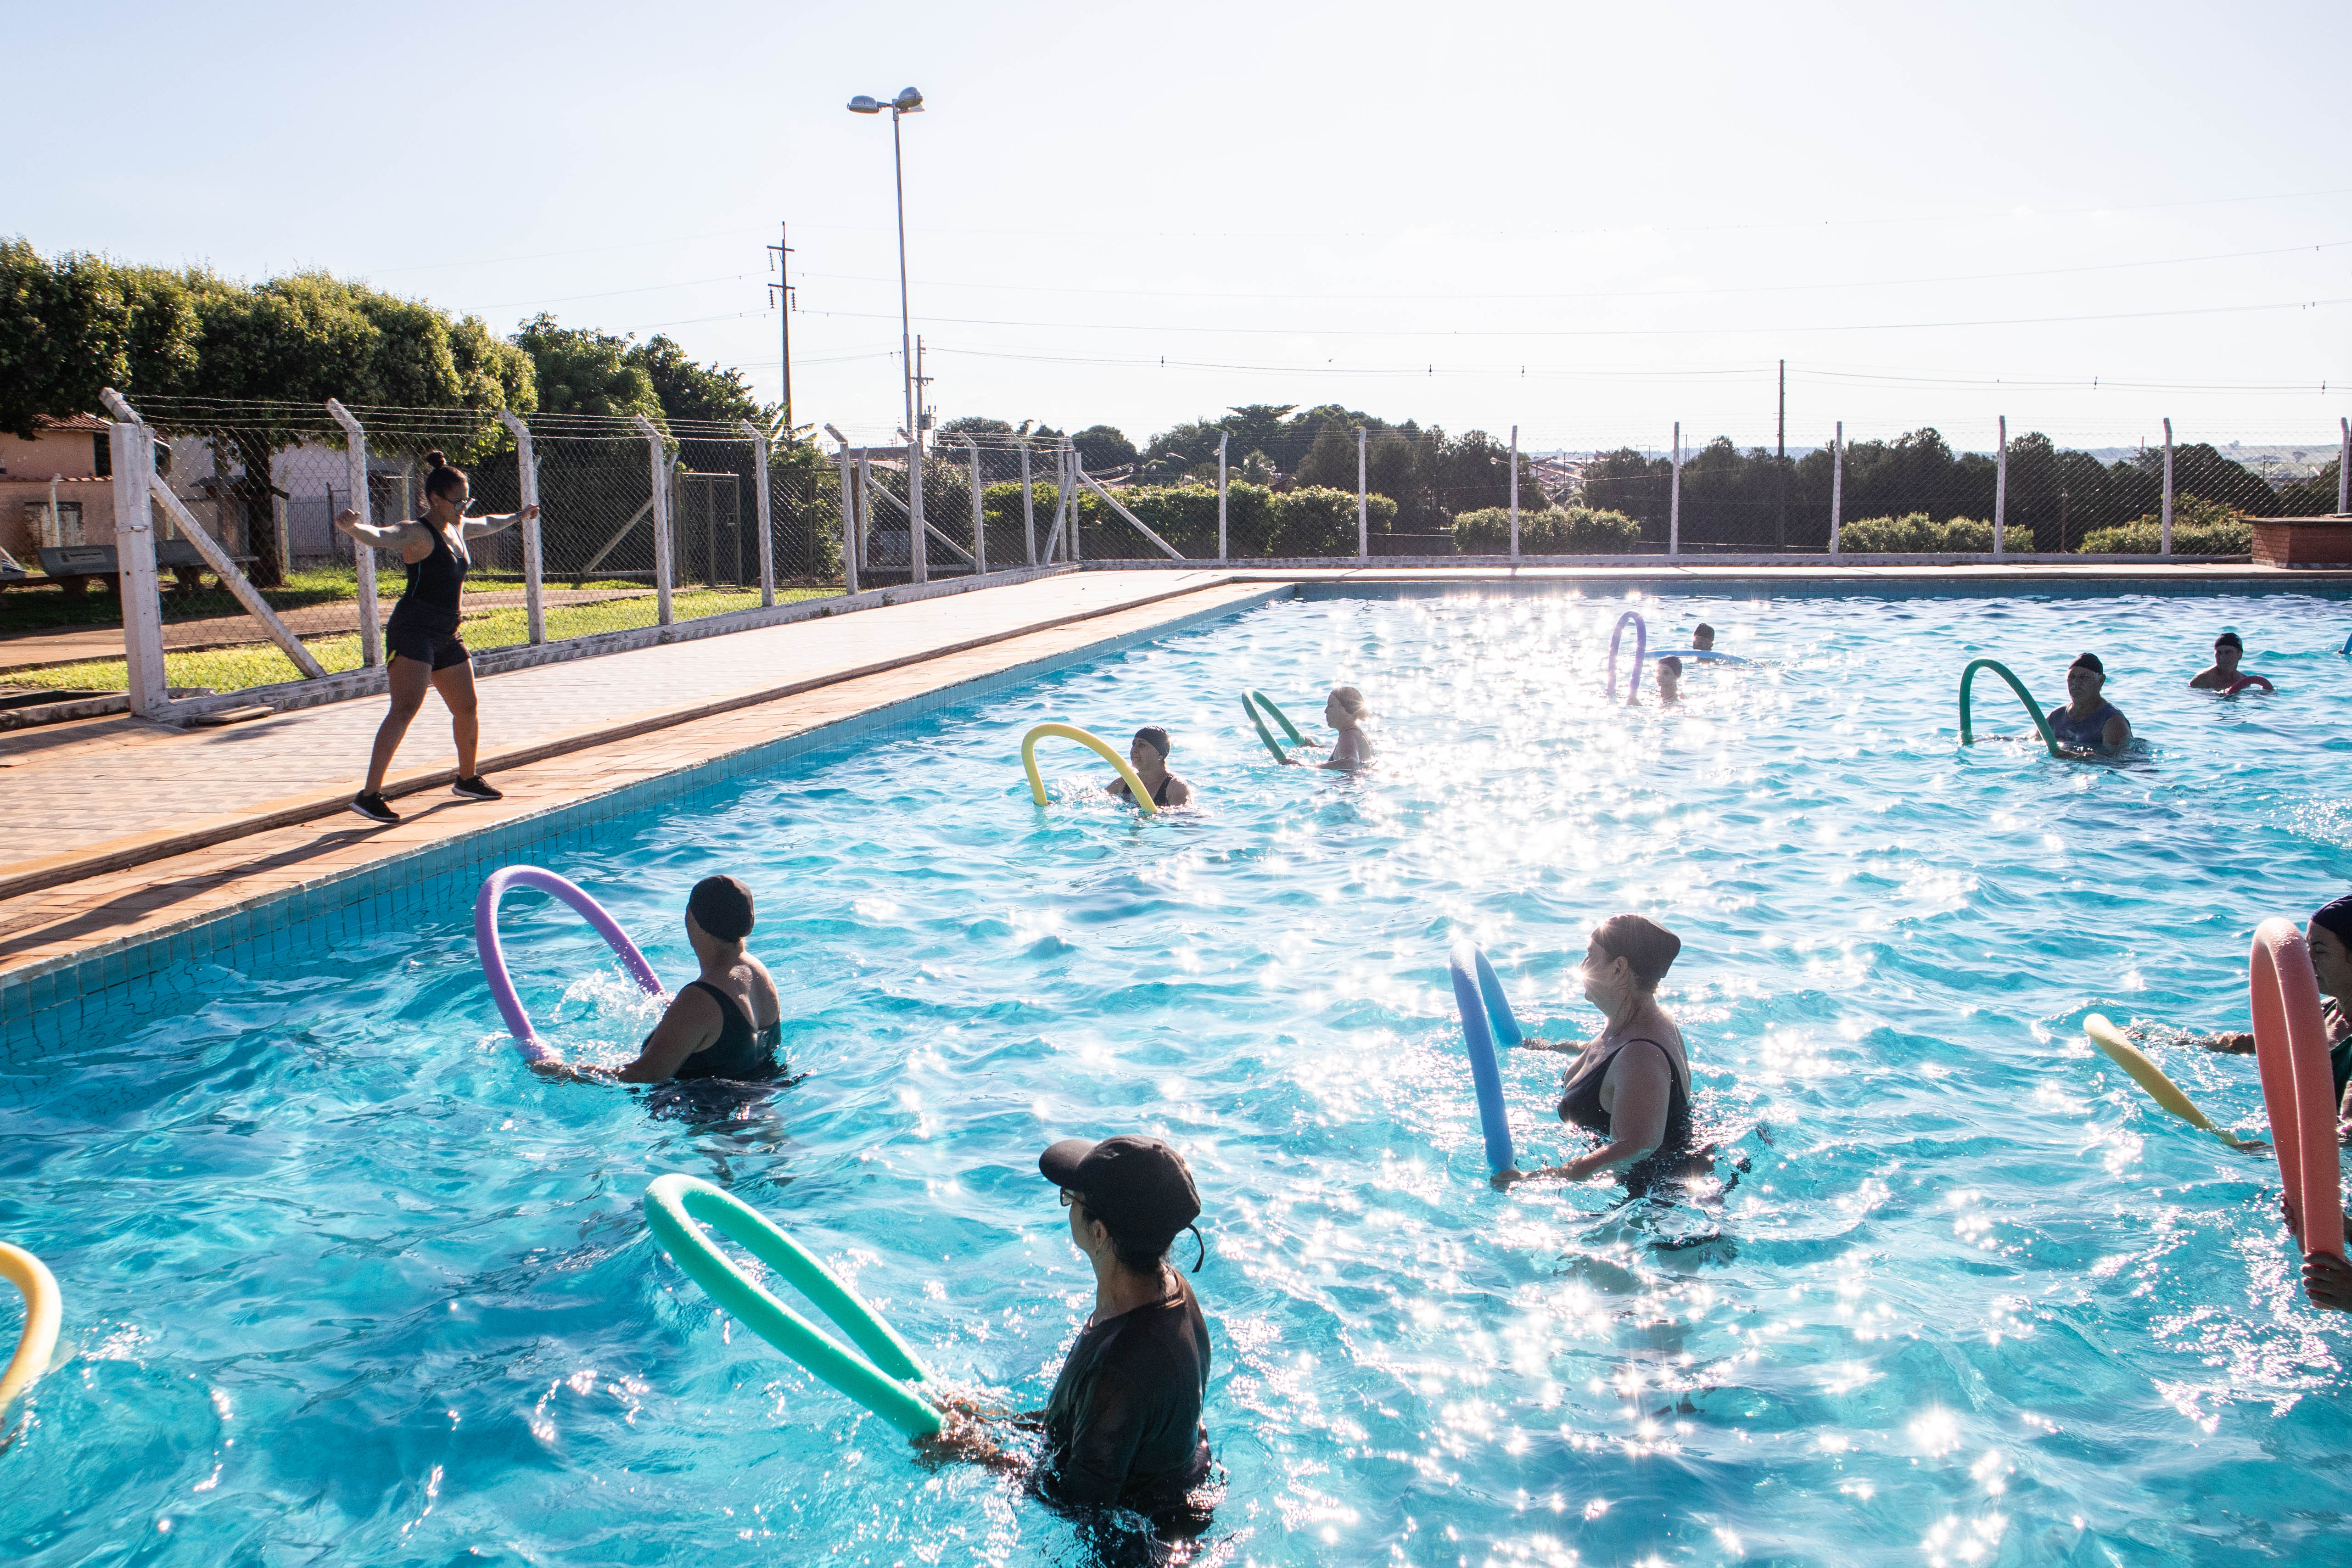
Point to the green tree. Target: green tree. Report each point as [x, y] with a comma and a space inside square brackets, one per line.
[583, 371]
[72, 328]
[690, 391]
[1330, 462]
[1102, 448]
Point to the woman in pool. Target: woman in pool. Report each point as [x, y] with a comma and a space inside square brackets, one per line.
[1631, 1081]
[1122, 1428]
[1670, 681]
[2087, 722]
[1344, 711]
[1148, 756]
[725, 1022]
[423, 631]
[2223, 675]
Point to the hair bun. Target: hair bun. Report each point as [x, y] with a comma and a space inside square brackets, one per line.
[433, 459]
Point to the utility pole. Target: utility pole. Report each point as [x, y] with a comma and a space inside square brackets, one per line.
[780, 294]
[1780, 469]
[923, 409]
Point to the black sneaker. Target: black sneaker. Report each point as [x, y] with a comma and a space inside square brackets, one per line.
[373, 809]
[476, 788]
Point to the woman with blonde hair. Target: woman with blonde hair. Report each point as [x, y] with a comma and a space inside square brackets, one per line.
[1344, 711]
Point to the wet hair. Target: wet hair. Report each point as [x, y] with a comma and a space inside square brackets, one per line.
[1671, 665]
[1649, 947]
[440, 478]
[2337, 916]
[1137, 1256]
[2231, 639]
[2089, 661]
[1154, 736]
[721, 906]
[1349, 698]
[1701, 630]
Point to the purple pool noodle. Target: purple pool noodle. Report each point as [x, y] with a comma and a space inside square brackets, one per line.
[494, 962]
[1640, 653]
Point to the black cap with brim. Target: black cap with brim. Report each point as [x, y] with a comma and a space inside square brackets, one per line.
[1139, 1188]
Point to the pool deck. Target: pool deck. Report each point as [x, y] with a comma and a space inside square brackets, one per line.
[121, 830]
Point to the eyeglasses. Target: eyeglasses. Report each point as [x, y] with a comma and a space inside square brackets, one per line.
[1069, 1197]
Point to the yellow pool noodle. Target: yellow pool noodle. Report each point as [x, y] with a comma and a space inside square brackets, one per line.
[2150, 1077]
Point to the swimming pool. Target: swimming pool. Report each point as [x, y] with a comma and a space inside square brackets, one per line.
[343, 1283]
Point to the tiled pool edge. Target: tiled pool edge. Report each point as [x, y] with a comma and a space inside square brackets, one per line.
[42, 1003]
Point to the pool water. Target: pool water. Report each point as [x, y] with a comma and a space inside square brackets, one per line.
[344, 1283]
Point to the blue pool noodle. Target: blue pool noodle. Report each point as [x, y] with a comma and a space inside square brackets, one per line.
[1473, 976]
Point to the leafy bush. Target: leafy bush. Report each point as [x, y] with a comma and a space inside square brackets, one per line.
[1321, 520]
[1913, 534]
[2199, 527]
[1555, 531]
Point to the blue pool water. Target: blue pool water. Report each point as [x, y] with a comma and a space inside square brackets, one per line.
[344, 1284]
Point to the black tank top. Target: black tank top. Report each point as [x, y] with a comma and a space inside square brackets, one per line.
[741, 1051]
[431, 601]
[1579, 1102]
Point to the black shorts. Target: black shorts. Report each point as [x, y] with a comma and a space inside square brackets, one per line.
[440, 650]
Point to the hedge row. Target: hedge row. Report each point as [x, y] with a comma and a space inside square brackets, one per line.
[1913, 534]
[1556, 531]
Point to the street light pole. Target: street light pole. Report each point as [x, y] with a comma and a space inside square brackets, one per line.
[907, 102]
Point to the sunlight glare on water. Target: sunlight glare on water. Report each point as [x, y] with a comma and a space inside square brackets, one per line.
[345, 1281]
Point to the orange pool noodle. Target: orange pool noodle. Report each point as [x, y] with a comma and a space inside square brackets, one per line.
[2298, 1089]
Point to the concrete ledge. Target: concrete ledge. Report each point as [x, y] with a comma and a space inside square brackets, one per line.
[120, 854]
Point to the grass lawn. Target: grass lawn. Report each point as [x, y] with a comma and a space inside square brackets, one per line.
[46, 608]
[236, 669]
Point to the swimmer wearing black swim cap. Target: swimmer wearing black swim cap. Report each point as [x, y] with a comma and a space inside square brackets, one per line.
[2224, 674]
[2087, 722]
[1148, 756]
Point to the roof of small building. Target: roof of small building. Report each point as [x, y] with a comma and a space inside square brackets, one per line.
[89, 422]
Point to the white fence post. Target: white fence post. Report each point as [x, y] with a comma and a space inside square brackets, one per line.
[919, 549]
[1514, 492]
[1837, 487]
[1071, 468]
[1674, 500]
[1028, 507]
[765, 450]
[979, 523]
[2167, 487]
[2344, 470]
[1223, 556]
[660, 464]
[534, 569]
[848, 519]
[132, 448]
[1363, 508]
[2000, 493]
[355, 471]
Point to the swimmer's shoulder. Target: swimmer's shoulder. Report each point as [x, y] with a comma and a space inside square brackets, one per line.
[763, 992]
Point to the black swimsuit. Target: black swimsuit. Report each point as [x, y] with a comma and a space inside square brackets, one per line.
[739, 1052]
[423, 624]
[1579, 1102]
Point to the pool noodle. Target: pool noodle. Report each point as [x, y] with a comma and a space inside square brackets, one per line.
[493, 953]
[2150, 1077]
[1280, 718]
[1141, 795]
[1264, 734]
[878, 1379]
[1641, 652]
[2033, 708]
[2298, 1087]
[1707, 654]
[1470, 971]
[38, 1337]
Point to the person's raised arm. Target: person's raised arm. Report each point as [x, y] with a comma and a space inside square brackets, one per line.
[379, 536]
[490, 523]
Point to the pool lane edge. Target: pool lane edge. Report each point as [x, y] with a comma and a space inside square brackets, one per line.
[42, 1000]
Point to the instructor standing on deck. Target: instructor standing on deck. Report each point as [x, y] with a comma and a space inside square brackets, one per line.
[423, 631]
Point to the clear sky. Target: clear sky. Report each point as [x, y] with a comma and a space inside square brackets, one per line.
[1586, 221]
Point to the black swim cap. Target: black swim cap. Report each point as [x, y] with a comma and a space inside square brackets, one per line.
[1672, 663]
[2089, 661]
[2231, 639]
[1154, 736]
[721, 906]
[2338, 917]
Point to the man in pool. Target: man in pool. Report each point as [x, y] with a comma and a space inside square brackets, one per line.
[1122, 1428]
[724, 1022]
[1702, 638]
[1670, 681]
[2223, 675]
[1148, 756]
[2086, 722]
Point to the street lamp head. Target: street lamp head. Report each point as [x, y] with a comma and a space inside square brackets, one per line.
[862, 104]
[909, 102]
